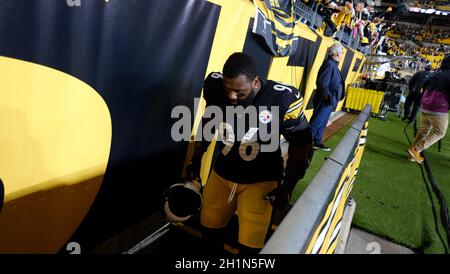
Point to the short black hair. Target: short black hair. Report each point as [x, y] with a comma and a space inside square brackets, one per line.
[240, 63]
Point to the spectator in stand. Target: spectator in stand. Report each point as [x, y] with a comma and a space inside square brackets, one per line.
[330, 90]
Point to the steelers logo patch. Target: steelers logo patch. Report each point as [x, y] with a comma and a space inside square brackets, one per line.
[265, 116]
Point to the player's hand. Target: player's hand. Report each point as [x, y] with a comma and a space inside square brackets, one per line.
[195, 185]
[279, 198]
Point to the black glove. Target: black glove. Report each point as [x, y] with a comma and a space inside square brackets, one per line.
[279, 197]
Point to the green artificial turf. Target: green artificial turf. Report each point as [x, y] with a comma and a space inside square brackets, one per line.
[392, 200]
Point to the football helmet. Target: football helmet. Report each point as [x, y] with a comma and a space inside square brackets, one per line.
[182, 201]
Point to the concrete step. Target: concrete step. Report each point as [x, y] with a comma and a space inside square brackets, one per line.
[362, 242]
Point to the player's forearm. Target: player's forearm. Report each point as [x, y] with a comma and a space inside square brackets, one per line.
[298, 132]
[201, 145]
[299, 159]
[200, 148]
[193, 167]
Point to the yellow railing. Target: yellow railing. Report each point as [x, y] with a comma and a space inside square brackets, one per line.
[357, 98]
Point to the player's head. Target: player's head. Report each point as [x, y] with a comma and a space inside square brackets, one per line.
[336, 51]
[240, 80]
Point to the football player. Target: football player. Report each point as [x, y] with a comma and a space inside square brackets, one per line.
[244, 177]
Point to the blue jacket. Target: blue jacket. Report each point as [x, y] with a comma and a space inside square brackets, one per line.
[329, 83]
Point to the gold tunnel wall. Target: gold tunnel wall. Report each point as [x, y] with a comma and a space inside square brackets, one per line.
[235, 24]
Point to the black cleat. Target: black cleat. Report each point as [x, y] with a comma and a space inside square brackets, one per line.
[321, 146]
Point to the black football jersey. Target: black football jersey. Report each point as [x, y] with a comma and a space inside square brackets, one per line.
[240, 159]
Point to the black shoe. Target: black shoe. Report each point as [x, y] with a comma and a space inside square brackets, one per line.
[321, 146]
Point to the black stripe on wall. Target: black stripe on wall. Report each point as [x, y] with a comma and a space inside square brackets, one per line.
[304, 57]
[256, 46]
[357, 64]
[143, 62]
[347, 62]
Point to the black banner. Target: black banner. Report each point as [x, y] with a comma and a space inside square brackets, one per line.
[143, 57]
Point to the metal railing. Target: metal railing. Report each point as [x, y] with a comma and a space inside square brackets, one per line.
[304, 13]
[310, 17]
[295, 233]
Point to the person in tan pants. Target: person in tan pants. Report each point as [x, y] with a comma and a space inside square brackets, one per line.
[434, 108]
[432, 129]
